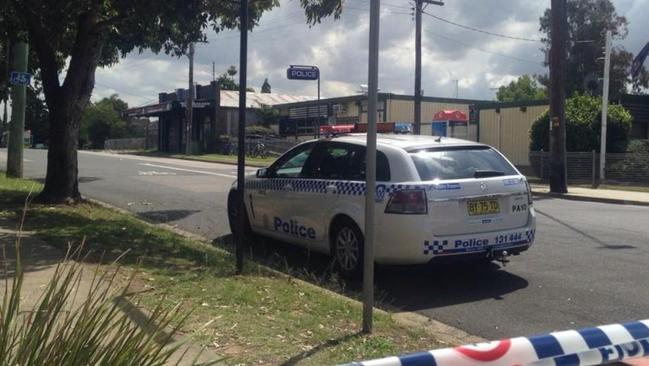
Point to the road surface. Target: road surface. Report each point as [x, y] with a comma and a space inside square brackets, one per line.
[589, 265]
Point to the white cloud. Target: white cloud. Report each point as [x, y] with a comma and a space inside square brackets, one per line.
[339, 49]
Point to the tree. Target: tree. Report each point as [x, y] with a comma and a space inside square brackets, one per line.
[588, 21]
[265, 88]
[525, 88]
[227, 82]
[92, 33]
[583, 126]
[103, 120]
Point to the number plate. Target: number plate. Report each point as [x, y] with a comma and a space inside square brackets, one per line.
[483, 207]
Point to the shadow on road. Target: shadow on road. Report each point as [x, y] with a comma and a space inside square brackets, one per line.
[603, 244]
[165, 216]
[405, 288]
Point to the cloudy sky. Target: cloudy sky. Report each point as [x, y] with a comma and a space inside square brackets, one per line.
[479, 62]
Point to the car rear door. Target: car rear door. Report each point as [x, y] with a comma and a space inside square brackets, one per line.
[472, 189]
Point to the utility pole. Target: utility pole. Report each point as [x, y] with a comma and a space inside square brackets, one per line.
[457, 88]
[419, 8]
[18, 96]
[5, 96]
[241, 161]
[607, 70]
[190, 102]
[558, 166]
[370, 171]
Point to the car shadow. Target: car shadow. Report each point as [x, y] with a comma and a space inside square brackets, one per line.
[402, 288]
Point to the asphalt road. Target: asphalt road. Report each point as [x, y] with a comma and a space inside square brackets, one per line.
[589, 265]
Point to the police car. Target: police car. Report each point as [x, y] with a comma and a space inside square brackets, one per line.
[435, 197]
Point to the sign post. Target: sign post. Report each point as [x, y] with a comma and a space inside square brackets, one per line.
[370, 172]
[20, 79]
[303, 72]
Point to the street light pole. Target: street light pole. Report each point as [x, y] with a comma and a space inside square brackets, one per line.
[558, 166]
[607, 70]
[370, 172]
[241, 161]
[190, 102]
[419, 8]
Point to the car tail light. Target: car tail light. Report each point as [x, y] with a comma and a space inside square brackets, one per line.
[529, 193]
[411, 202]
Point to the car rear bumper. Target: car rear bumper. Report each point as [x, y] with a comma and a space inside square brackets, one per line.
[421, 246]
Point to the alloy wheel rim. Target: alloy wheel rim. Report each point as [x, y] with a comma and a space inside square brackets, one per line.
[347, 249]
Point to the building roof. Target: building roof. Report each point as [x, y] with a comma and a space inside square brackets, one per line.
[230, 99]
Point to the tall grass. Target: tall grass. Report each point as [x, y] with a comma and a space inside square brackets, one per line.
[69, 327]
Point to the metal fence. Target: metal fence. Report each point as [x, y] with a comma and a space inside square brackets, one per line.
[584, 167]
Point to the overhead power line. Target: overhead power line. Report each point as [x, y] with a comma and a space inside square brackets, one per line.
[481, 30]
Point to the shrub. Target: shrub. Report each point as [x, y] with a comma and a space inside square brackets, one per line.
[95, 331]
[583, 126]
[259, 130]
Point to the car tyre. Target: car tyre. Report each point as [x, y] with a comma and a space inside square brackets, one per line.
[347, 244]
[233, 209]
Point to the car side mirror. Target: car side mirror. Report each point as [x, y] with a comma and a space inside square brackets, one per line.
[262, 173]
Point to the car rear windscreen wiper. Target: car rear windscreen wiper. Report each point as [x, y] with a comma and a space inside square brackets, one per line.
[487, 173]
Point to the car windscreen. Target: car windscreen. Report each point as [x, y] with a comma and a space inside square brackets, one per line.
[460, 163]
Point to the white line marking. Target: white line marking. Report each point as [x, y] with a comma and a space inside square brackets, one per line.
[189, 170]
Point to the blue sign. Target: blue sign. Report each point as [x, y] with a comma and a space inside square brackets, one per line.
[295, 72]
[20, 78]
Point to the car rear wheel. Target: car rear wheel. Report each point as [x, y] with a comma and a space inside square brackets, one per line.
[347, 248]
[233, 213]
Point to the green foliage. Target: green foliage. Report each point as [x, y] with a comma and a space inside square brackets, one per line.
[269, 115]
[103, 120]
[637, 159]
[525, 88]
[227, 82]
[265, 88]
[258, 130]
[583, 126]
[587, 22]
[64, 328]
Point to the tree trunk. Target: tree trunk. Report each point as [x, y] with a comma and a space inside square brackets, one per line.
[66, 104]
[61, 182]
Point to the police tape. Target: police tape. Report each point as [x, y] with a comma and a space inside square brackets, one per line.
[590, 346]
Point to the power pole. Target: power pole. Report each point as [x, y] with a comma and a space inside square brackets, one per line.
[558, 166]
[241, 161]
[190, 102]
[419, 8]
[18, 96]
[457, 88]
[5, 96]
[607, 70]
[370, 172]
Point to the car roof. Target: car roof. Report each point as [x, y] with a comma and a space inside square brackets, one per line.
[406, 142]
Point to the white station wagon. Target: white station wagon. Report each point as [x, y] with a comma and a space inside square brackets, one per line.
[435, 197]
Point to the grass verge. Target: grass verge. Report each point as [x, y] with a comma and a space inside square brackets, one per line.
[211, 158]
[253, 318]
[611, 186]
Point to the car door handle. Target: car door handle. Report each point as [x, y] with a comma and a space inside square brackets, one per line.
[288, 187]
[332, 188]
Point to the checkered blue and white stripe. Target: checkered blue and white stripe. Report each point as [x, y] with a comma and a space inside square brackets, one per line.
[347, 188]
[590, 346]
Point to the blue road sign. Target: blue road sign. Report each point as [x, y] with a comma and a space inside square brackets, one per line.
[20, 78]
[295, 72]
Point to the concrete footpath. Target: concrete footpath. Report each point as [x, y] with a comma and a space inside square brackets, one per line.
[595, 195]
[40, 260]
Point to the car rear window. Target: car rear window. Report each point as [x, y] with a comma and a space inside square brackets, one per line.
[460, 163]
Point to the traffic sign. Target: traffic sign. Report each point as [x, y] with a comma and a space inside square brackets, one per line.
[20, 78]
[296, 72]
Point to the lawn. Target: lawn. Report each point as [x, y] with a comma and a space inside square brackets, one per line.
[212, 158]
[258, 317]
